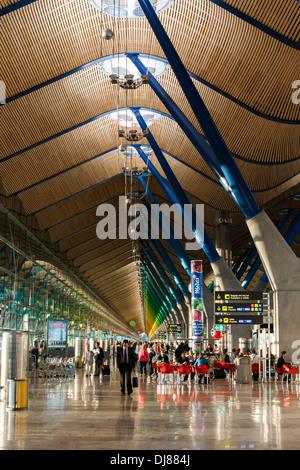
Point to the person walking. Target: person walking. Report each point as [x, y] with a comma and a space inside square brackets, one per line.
[125, 364]
[88, 360]
[98, 357]
[151, 354]
[143, 359]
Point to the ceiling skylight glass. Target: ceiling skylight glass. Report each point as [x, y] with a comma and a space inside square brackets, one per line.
[131, 151]
[122, 65]
[128, 8]
[127, 118]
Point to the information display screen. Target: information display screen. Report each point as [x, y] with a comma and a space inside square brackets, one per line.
[176, 328]
[57, 334]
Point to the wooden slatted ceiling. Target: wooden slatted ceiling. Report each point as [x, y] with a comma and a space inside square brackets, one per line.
[5, 3]
[283, 16]
[110, 164]
[47, 38]
[86, 142]
[213, 44]
[89, 93]
[87, 212]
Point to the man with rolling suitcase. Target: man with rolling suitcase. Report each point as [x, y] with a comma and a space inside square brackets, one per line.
[98, 358]
[125, 363]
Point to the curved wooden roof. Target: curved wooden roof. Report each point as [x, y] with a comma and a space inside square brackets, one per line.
[59, 146]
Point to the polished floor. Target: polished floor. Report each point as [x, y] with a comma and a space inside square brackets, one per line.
[83, 413]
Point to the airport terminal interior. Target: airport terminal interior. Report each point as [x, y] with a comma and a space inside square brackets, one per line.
[150, 226]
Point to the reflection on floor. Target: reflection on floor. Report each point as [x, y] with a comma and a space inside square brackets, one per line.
[90, 413]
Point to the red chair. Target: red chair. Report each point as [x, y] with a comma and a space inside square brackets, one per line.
[255, 368]
[216, 365]
[184, 370]
[201, 370]
[289, 370]
[278, 370]
[224, 365]
[164, 370]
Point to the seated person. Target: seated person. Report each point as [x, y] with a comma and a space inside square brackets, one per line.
[182, 360]
[201, 361]
[224, 357]
[162, 358]
[233, 354]
[190, 357]
[253, 356]
[281, 362]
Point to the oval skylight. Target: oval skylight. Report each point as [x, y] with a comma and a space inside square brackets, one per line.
[128, 8]
[127, 118]
[122, 65]
[131, 151]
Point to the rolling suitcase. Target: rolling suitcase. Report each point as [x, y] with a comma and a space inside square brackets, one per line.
[106, 370]
[219, 374]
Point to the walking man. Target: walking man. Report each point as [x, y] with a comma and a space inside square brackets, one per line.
[125, 363]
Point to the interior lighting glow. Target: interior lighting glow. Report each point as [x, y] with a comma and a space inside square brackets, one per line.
[128, 8]
[121, 65]
[127, 118]
[131, 151]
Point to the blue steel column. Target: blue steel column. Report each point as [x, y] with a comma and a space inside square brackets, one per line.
[216, 155]
[173, 242]
[183, 258]
[159, 287]
[178, 196]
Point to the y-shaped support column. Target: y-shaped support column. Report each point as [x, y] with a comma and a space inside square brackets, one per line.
[283, 270]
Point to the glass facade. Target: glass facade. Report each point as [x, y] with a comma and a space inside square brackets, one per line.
[36, 288]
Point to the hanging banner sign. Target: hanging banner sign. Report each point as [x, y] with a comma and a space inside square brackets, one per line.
[197, 305]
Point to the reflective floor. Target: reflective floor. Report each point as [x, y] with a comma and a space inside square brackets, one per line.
[83, 413]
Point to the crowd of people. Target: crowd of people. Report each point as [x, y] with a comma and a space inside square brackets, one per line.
[145, 356]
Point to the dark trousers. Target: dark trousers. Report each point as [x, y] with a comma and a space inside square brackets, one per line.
[125, 377]
[97, 366]
[143, 365]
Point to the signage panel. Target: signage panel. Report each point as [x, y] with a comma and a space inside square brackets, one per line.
[239, 319]
[174, 328]
[57, 334]
[238, 307]
[236, 295]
